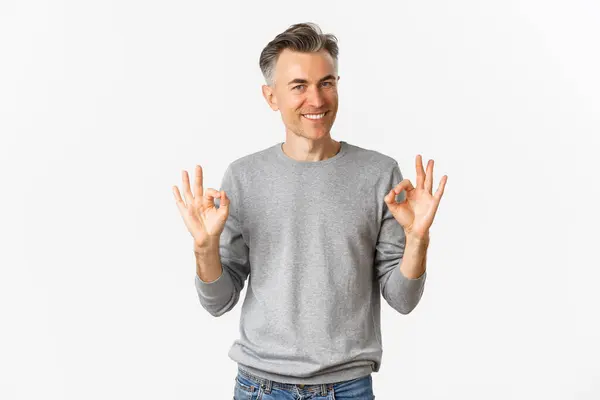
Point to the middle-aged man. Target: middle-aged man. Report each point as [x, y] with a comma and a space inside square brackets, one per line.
[318, 229]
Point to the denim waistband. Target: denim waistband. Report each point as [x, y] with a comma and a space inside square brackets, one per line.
[267, 384]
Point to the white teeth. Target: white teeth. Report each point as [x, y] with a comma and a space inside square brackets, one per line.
[314, 116]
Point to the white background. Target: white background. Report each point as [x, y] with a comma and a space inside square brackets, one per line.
[104, 103]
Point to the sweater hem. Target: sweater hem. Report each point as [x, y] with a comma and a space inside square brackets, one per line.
[327, 378]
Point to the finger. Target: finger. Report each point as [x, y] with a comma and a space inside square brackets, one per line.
[420, 172]
[429, 177]
[198, 182]
[440, 191]
[208, 199]
[189, 197]
[406, 184]
[390, 198]
[224, 203]
[179, 200]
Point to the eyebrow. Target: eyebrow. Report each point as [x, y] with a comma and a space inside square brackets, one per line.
[298, 80]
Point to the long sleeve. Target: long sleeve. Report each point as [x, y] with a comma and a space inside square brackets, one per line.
[222, 294]
[401, 293]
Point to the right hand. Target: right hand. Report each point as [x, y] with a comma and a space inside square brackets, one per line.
[204, 221]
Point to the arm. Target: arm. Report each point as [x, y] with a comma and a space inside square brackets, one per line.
[413, 262]
[208, 262]
[223, 267]
[401, 282]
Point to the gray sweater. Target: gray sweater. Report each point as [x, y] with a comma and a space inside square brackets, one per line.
[317, 245]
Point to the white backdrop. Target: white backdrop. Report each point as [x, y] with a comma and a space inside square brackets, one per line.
[104, 103]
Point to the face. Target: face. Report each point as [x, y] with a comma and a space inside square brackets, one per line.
[305, 83]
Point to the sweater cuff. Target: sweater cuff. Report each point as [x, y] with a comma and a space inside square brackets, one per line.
[414, 282]
[215, 289]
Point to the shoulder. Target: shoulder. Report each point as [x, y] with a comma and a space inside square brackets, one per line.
[243, 167]
[380, 162]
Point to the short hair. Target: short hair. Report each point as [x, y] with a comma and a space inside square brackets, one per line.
[303, 37]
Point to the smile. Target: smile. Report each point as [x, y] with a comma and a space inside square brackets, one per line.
[314, 116]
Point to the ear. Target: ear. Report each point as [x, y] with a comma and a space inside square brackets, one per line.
[269, 96]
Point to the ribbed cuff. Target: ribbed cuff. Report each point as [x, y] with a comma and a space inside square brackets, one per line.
[412, 286]
[215, 289]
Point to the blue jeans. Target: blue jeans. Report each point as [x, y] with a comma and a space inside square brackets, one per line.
[251, 387]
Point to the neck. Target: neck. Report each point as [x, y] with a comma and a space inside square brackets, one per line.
[303, 149]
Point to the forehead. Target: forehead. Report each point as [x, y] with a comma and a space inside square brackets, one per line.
[310, 66]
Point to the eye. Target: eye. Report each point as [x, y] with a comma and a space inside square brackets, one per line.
[295, 87]
[330, 83]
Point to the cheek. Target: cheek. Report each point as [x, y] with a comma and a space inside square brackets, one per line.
[293, 107]
[332, 97]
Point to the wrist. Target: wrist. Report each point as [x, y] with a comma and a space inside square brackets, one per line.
[419, 241]
[209, 246]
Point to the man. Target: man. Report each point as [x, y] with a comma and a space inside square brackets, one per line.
[316, 228]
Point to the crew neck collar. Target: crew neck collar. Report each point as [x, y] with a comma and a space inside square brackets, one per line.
[290, 161]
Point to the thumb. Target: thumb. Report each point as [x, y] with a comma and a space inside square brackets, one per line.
[390, 199]
[224, 203]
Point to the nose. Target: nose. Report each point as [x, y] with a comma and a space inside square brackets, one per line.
[315, 98]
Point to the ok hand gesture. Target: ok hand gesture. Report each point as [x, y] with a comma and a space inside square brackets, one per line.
[417, 211]
[203, 220]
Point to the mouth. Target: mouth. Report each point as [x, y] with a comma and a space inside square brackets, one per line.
[314, 117]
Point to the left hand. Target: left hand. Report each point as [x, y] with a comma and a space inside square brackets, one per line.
[418, 209]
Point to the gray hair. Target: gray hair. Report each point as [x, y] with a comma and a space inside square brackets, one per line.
[304, 37]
